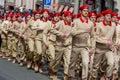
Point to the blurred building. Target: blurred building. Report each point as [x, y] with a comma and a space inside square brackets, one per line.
[95, 5]
[1, 2]
[28, 4]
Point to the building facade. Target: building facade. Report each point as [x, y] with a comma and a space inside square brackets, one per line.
[95, 5]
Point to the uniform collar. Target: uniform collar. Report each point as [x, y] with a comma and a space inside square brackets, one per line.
[105, 24]
[35, 19]
[95, 24]
[11, 21]
[44, 20]
[66, 23]
[82, 20]
[116, 23]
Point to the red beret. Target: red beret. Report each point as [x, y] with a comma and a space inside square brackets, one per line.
[26, 15]
[9, 15]
[114, 14]
[84, 7]
[92, 14]
[56, 14]
[67, 13]
[14, 15]
[19, 15]
[107, 12]
[37, 12]
[99, 15]
[45, 10]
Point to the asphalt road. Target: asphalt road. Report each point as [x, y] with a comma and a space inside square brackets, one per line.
[10, 71]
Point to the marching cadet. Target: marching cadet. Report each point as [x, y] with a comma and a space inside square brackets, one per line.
[92, 17]
[21, 43]
[29, 35]
[18, 27]
[116, 55]
[4, 27]
[35, 18]
[82, 44]
[24, 35]
[100, 18]
[104, 45]
[50, 39]
[14, 31]
[10, 38]
[39, 26]
[13, 42]
[63, 45]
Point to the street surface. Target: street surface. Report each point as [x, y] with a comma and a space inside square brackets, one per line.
[10, 71]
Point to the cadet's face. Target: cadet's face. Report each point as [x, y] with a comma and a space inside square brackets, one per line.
[19, 18]
[37, 16]
[84, 12]
[28, 18]
[69, 18]
[101, 18]
[9, 18]
[93, 18]
[14, 18]
[108, 17]
[114, 19]
[56, 18]
[45, 15]
[98, 20]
